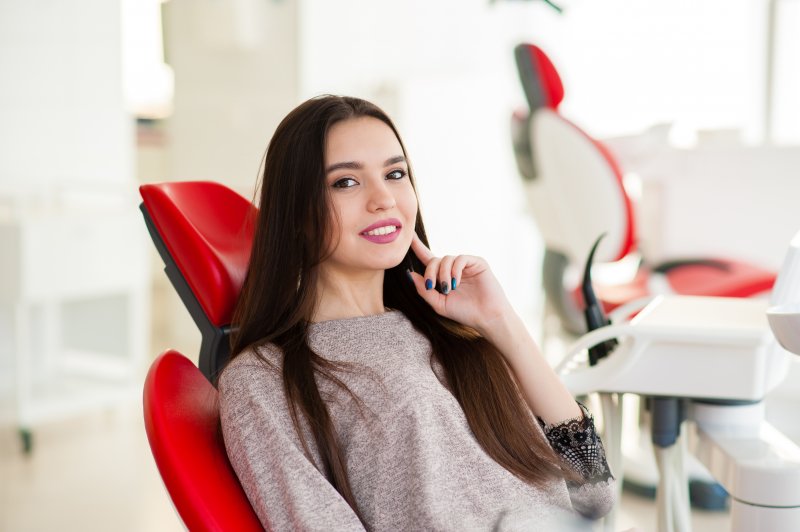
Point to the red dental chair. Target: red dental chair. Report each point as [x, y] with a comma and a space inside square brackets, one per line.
[575, 190]
[181, 417]
[204, 232]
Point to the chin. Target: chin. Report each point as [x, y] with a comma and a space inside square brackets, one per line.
[387, 263]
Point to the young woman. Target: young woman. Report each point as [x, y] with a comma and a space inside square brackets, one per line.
[374, 385]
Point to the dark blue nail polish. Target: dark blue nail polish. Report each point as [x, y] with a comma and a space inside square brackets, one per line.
[428, 284]
[408, 275]
[445, 288]
[453, 283]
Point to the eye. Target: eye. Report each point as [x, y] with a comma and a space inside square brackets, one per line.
[345, 182]
[396, 174]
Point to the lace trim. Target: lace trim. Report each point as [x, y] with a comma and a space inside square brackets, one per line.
[591, 488]
[576, 442]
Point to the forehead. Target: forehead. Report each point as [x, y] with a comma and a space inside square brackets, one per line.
[362, 139]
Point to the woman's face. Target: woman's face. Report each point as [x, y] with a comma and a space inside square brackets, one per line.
[371, 195]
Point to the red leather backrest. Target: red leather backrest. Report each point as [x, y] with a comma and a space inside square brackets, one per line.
[550, 82]
[208, 229]
[181, 417]
[629, 244]
[578, 193]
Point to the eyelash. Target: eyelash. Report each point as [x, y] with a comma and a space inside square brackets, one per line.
[340, 183]
[402, 173]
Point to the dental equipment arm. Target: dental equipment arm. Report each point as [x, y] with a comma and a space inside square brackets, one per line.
[719, 356]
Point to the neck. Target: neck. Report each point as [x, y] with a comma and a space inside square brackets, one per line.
[342, 296]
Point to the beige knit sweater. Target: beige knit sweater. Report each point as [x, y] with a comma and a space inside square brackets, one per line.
[411, 458]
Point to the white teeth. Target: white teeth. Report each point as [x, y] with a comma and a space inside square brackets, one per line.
[385, 230]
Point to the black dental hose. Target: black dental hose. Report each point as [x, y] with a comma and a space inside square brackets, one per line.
[594, 314]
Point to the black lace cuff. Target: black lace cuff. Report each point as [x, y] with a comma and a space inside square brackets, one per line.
[576, 442]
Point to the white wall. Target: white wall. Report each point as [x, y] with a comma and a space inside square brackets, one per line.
[629, 64]
[72, 248]
[786, 117]
[235, 65]
[61, 97]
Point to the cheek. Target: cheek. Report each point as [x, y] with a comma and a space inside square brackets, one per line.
[333, 233]
[408, 205]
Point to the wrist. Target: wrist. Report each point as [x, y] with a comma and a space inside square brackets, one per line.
[498, 329]
[508, 333]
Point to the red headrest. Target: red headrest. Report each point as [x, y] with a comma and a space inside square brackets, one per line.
[539, 77]
[208, 229]
[181, 416]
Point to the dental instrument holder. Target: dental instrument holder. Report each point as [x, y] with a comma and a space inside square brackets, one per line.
[719, 356]
[595, 317]
[667, 416]
[667, 413]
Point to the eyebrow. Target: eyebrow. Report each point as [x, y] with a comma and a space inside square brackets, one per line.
[353, 165]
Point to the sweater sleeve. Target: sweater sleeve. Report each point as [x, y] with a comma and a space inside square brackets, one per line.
[283, 484]
[577, 443]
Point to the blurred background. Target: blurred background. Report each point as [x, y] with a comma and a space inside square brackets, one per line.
[698, 97]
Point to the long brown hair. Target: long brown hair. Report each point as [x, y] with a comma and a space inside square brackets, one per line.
[279, 294]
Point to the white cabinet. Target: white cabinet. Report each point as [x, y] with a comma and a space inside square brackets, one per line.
[74, 305]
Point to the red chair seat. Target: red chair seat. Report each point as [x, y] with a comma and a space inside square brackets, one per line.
[181, 416]
[739, 279]
[735, 279]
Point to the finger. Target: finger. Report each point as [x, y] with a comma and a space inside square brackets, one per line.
[457, 270]
[418, 281]
[445, 276]
[421, 250]
[432, 273]
[431, 297]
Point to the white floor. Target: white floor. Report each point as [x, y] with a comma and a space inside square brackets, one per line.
[95, 473]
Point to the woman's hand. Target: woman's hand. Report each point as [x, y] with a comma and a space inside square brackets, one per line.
[468, 290]
[479, 302]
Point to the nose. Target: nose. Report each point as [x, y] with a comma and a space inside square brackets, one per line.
[380, 198]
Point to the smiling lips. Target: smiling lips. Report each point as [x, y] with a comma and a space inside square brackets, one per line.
[382, 232]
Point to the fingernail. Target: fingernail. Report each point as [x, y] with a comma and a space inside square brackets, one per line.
[408, 274]
[428, 284]
[453, 283]
[445, 288]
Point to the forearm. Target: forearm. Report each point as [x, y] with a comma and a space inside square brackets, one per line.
[542, 389]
